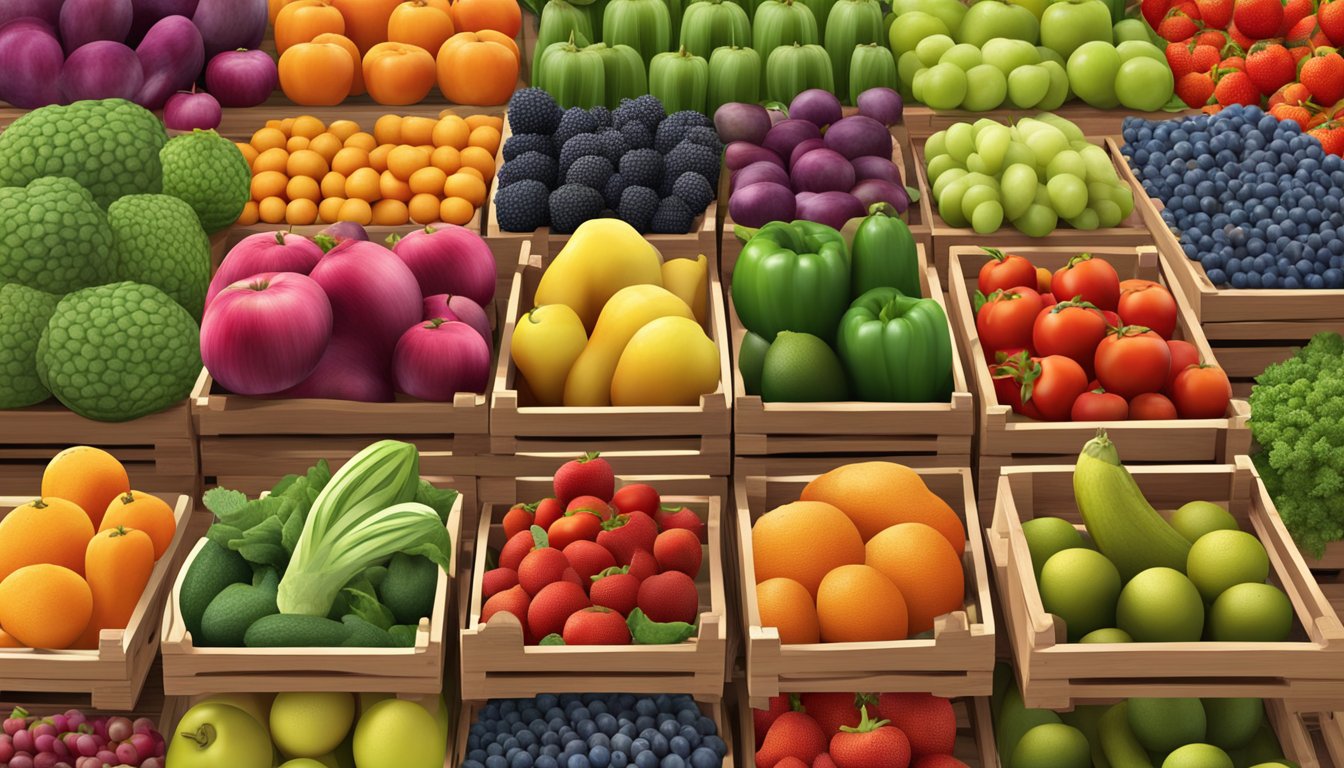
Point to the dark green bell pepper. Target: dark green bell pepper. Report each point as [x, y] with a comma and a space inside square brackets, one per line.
[897, 349]
[792, 276]
[751, 361]
[884, 254]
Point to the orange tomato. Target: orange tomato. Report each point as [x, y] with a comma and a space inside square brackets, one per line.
[493, 36]
[486, 138]
[362, 140]
[357, 85]
[451, 131]
[476, 121]
[301, 212]
[273, 9]
[465, 186]
[418, 23]
[446, 159]
[362, 185]
[349, 160]
[249, 152]
[396, 73]
[250, 214]
[272, 210]
[330, 209]
[366, 20]
[343, 129]
[475, 71]
[481, 160]
[316, 74]
[303, 20]
[418, 131]
[500, 15]
[268, 138]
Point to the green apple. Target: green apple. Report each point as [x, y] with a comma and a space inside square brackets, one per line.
[950, 12]
[1144, 84]
[964, 56]
[1067, 24]
[367, 700]
[1008, 54]
[213, 735]
[303, 762]
[311, 724]
[1092, 70]
[1133, 49]
[258, 705]
[912, 27]
[1130, 29]
[989, 19]
[932, 48]
[399, 734]
[906, 67]
[1027, 86]
[1037, 7]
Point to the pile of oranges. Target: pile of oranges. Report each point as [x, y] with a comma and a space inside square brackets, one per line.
[409, 169]
[868, 554]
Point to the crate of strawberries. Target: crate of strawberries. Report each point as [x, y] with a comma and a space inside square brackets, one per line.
[1059, 342]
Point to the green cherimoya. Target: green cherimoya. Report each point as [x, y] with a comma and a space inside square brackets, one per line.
[111, 147]
[160, 242]
[53, 236]
[24, 313]
[210, 173]
[119, 351]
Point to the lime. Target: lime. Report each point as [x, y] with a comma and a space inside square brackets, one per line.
[1080, 586]
[1251, 613]
[1162, 725]
[1046, 536]
[1233, 722]
[1263, 749]
[1160, 605]
[1199, 517]
[1053, 745]
[1107, 635]
[1221, 559]
[1198, 756]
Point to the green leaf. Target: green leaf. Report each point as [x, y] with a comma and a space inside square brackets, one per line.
[223, 501]
[366, 606]
[552, 639]
[440, 500]
[262, 544]
[913, 192]
[375, 575]
[319, 475]
[255, 512]
[491, 559]
[539, 538]
[403, 635]
[223, 534]
[646, 631]
[284, 484]
[1175, 104]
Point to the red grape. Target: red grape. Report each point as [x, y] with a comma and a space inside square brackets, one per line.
[118, 729]
[45, 760]
[23, 741]
[74, 718]
[44, 742]
[152, 762]
[143, 725]
[144, 744]
[44, 729]
[87, 745]
[21, 760]
[108, 756]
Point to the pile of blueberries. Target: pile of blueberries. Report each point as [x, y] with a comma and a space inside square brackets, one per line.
[594, 730]
[1255, 200]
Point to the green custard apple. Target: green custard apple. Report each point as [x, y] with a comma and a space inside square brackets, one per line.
[53, 236]
[24, 312]
[159, 242]
[210, 173]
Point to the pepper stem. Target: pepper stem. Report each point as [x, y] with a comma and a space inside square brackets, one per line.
[866, 724]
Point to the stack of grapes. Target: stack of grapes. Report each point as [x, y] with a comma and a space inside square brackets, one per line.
[72, 740]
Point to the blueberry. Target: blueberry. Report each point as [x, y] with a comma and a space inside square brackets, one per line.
[509, 754]
[599, 757]
[550, 738]
[640, 746]
[619, 760]
[645, 722]
[522, 760]
[599, 740]
[705, 758]
[545, 761]
[606, 723]
[717, 744]
[646, 706]
[679, 746]
[494, 749]
[552, 749]
[578, 761]
[496, 761]
[473, 764]
[510, 743]
[690, 733]
[646, 760]
[586, 728]
[477, 754]
[669, 728]
[659, 745]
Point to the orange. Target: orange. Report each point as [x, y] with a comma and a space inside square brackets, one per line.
[787, 605]
[287, 126]
[362, 140]
[392, 188]
[446, 159]
[357, 211]
[45, 606]
[273, 124]
[45, 530]
[329, 210]
[451, 131]
[303, 188]
[486, 138]
[390, 213]
[378, 157]
[418, 130]
[308, 163]
[8, 641]
[879, 494]
[343, 129]
[471, 172]
[268, 138]
[326, 145]
[362, 185]
[143, 512]
[272, 210]
[307, 126]
[387, 130]
[455, 210]
[89, 477]
[424, 209]
[465, 186]
[249, 152]
[857, 604]
[494, 121]
[804, 541]
[406, 160]
[296, 143]
[921, 563]
[428, 180]
[333, 184]
[268, 184]
[249, 216]
[271, 160]
[481, 160]
[301, 212]
[349, 160]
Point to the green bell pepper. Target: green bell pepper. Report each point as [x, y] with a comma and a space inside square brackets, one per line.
[884, 254]
[897, 349]
[792, 276]
[751, 362]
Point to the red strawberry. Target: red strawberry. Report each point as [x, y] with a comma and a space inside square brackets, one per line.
[588, 558]
[513, 600]
[1154, 11]
[1301, 32]
[1295, 11]
[832, 710]
[541, 567]
[1203, 58]
[1236, 88]
[616, 589]
[1239, 38]
[927, 720]
[497, 580]
[1299, 52]
[762, 719]
[519, 518]
[589, 504]
[1323, 75]
[1331, 136]
[1292, 93]
[578, 525]
[516, 548]
[548, 511]
[1177, 26]
[1195, 89]
[1330, 16]
[937, 761]
[552, 606]
[596, 625]
[873, 744]
[791, 762]
[1179, 59]
[1214, 38]
[643, 565]
[1216, 14]
[1270, 66]
[793, 734]
[670, 596]
[636, 497]
[586, 476]
[1258, 19]
[677, 549]
[824, 761]
[1298, 114]
[624, 534]
[1233, 62]
[678, 516]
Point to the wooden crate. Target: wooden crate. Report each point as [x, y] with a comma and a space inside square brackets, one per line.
[158, 450]
[192, 671]
[496, 663]
[772, 435]
[1250, 329]
[957, 661]
[1131, 233]
[922, 122]
[1007, 438]
[112, 675]
[527, 439]
[1307, 671]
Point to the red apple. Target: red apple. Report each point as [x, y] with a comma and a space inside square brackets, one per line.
[190, 110]
[266, 333]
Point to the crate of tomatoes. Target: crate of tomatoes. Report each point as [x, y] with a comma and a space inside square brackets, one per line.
[1060, 342]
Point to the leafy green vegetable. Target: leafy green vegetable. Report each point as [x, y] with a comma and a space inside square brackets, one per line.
[552, 639]
[1297, 417]
[403, 635]
[366, 606]
[440, 500]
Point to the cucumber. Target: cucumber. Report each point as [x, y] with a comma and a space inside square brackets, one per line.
[212, 570]
[1124, 526]
[1118, 744]
[293, 630]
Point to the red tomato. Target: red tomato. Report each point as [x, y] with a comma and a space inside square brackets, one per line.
[1092, 278]
[1131, 361]
[1004, 321]
[636, 496]
[1112, 319]
[1099, 405]
[1148, 305]
[1202, 392]
[1004, 271]
[548, 511]
[1070, 328]
[1008, 386]
[1135, 283]
[1183, 355]
[1043, 278]
[1150, 406]
[1052, 384]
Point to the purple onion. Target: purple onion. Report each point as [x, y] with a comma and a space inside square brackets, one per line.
[822, 170]
[758, 172]
[737, 121]
[882, 104]
[101, 70]
[740, 154]
[435, 360]
[31, 59]
[874, 167]
[171, 55]
[817, 106]
[755, 205]
[803, 148]
[871, 191]
[459, 308]
[857, 135]
[192, 111]
[788, 134]
[833, 209]
[242, 78]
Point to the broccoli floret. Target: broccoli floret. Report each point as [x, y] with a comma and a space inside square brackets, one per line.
[1297, 417]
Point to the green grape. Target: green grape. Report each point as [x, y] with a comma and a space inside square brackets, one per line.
[936, 145]
[987, 217]
[1068, 195]
[1046, 142]
[980, 193]
[1071, 132]
[1060, 91]
[1099, 167]
[986, 88]
[992, 144]
[1028, 86]
[1007, 54]
[976, 164]
[931, 49]
[1132, 49]
[1038, 221]
[1050, 54]
[983, 178]
[949, 205]
[944, 87]
[960, 140]
[963, 56]
[1098, 190]
[1018, 187]
[914, 27]
[947, 177]
[1069, 162]
[1087, 220]
[1018, 152]
[1123, 196]
[917, 84]
[1042, 196]
[1107, 212]
[940, 165]
[906, 68]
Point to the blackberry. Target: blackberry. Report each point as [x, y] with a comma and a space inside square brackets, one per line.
[576, 120]
[691, 119]
[672, 218]
[601, 115]
[520, 143]
[638, 206]
[612, 192]
[707, 136]
[578, 146]
[646, 109]
[529, 165]
[636, 135]
[533, 110]
[675, 129]
[590, 171]
[614, 145]
[643, 167]
[522, 207]
[573, 204]
[693, 190]
[697, 158]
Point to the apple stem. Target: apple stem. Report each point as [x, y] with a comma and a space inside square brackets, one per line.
[203, 737]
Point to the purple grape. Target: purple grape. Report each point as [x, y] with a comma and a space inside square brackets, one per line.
[63, 764]
[44, 742]
[100, 727]
[23, 741]
[21, 760]
[45, 760]
[74, 718]
[6, 748]
[88, 762]
[143, 725]
[87, 745]
[144, 744]
[119, 729]
[152, 762]
[71, 742]
[127, 754]
[108, 757]
[15, 724]
[60, 722]
[44, 729]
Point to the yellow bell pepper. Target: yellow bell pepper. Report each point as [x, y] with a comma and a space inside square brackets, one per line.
[601, 257]
[545, 343]
[689, 279]
[631, 308]
[670, 361]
